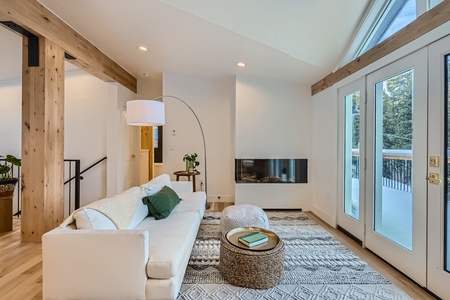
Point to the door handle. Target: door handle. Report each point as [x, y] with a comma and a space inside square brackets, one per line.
[433, 178]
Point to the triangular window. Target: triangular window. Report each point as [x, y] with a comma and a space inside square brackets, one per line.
[396, 15]
[384, 18]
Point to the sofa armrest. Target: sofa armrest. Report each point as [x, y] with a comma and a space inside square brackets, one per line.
[93, 264]
[182, 186]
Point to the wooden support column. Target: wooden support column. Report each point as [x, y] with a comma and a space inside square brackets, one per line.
[42, 141]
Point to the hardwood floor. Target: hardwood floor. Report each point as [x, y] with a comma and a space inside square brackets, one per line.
[21, 264]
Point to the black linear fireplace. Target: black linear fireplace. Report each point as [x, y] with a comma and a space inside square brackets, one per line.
[271, 170]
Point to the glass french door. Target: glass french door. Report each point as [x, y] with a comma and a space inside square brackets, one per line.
[439, 169]
[396, 189]
[395, 164]
[351, 205]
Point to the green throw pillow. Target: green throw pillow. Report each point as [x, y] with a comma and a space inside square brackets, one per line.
[162, 203]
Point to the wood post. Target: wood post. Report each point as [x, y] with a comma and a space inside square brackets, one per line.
[42, 141]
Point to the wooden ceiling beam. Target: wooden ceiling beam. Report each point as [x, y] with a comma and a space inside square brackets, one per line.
[423, 24]
[34, 17]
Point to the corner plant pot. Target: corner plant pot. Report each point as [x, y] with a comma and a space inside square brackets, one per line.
[6, 203]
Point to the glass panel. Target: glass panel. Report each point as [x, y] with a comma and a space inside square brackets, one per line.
[447, 171]
[157, 144]
[393, 158]
[433, 3]
[395, 16]
[293, 170]
[406, 15]
[351, 159]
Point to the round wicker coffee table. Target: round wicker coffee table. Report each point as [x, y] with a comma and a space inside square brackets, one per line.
[258, 269]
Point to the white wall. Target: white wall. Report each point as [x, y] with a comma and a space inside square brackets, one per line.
[150, 87]
[324, 155]
[325, 143]
[212, 99]
[10, 122]
[85, 130]
[10, 117]
[273, 120]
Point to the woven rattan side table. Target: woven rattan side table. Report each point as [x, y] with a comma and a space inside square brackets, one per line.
[251, 269]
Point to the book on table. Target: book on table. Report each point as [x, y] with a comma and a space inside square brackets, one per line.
[253, 239]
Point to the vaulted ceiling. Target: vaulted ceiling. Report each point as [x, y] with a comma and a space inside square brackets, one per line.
[293, 40]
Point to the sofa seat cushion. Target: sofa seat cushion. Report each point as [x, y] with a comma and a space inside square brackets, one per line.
[170, 240]
[191, 202]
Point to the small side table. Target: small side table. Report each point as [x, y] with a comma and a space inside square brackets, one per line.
[188, 175]
[256, 269]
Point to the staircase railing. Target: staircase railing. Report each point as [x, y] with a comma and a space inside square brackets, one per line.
[73, 169]
[77, 178]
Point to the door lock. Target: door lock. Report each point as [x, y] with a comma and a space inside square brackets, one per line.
[433, 178]
[434, 161]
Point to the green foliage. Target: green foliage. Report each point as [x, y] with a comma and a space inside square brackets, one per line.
[356, 120]
[191, 158]
[5, 166]
[397, 111]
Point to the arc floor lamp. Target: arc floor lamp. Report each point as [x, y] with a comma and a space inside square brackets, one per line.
[151, 113]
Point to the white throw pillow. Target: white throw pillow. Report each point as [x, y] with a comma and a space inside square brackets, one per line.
[91, 219]
[140, 214]
[155, 185]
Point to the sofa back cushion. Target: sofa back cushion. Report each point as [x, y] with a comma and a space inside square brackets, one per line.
[141, 214]
[162, 203]
[155, 185]
[87, 218]
[125, 210]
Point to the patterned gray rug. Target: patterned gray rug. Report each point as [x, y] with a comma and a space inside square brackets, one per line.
[317, 266]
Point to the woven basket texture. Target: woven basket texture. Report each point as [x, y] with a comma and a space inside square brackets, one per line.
[251, 269]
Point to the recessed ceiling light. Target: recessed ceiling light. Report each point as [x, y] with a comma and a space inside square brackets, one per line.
[146, 74]
[240, 64]
[142, 48]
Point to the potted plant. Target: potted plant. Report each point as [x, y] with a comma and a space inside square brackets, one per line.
[191, 162]
[7, 186]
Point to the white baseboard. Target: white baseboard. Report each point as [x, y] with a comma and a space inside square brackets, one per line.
[326, 217]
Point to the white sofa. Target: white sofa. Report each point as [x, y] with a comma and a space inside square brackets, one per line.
[92, 256]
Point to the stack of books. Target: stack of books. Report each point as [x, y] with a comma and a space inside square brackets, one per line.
[253, 239]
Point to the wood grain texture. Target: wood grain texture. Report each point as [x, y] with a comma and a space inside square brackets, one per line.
[20, 266]
[34, 17]
[147, 143]
[21, 263]
[6, 212]
[423, 24]
[42, 141]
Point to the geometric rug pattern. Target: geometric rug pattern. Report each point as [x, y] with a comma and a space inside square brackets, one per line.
[317, 266]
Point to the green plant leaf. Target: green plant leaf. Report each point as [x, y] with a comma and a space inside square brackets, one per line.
[14, 160]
